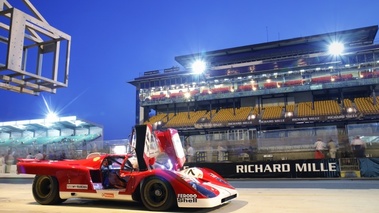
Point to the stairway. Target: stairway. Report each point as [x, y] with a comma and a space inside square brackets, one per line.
[350, 168]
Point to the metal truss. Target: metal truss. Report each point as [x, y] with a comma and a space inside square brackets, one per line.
[33, 50]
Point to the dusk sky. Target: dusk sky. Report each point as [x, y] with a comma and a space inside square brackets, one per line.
[115, 41]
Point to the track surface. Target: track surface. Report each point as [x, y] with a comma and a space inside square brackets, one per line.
[254, 196]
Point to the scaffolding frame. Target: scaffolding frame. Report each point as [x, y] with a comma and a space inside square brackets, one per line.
[33, 50]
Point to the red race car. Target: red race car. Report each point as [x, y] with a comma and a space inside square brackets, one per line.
[135, 176]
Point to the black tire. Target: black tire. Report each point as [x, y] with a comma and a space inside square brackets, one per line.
[46, 190]
[157, 194]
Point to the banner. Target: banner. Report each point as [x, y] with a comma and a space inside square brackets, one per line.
[275, 169]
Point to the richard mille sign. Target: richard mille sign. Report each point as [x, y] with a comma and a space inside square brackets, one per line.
[286, 167]
[276, 169]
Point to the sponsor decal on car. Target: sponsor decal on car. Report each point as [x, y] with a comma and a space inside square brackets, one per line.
[77, 186]
[107, 195]
[187, 198]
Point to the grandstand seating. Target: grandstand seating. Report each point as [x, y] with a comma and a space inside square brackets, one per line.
[156, 118]
[293, 82]
[163, 117]
[272, 84]
[254, 111]
[290, 108]
[194, 92]
[367, 106]
[321, 79]
[267, 85]
[183, 119]
[228, 115]
[220, 90]
[209, 115]
[370, 74]
[272, 112]
[247, 87]
[321, 108]
[158, 97]
[347, 103]
[364, 105]
[343, 77]
[177, 95]
[205, 92]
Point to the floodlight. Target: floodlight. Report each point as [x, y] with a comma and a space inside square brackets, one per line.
[336, 48]
[51, 117]
[198, 66]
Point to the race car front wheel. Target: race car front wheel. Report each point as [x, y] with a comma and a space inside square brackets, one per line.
[46, 190]
[157, 194]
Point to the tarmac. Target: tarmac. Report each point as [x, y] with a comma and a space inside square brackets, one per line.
[255, 195]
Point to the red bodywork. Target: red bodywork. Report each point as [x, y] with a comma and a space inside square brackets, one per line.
[192, 187]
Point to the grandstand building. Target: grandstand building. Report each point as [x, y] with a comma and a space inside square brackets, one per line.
[57, 138]
[270, 101]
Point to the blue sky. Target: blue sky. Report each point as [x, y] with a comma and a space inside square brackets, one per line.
[115, 41]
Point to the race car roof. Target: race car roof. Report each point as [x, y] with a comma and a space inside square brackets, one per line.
[300, 45]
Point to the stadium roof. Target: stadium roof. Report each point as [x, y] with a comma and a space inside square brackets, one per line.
[288, 47]
[70, 122]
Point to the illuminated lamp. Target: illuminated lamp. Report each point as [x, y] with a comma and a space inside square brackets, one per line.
[51, 117]
[336, 48]
[187, 95]
[198, 67]
[350, 110]
[157, 124]
[119, 149]
[289, 114]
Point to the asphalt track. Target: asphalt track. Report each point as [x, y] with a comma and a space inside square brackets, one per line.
[254, 196]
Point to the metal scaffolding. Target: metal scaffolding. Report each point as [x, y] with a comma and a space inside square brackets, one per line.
[35, 52]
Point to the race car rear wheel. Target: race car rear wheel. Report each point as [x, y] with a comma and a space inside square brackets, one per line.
[46, 190]
[157, 194]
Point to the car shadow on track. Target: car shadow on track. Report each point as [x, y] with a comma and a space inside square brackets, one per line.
[232, 206]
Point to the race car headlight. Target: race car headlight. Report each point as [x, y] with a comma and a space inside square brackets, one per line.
[194, 186]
